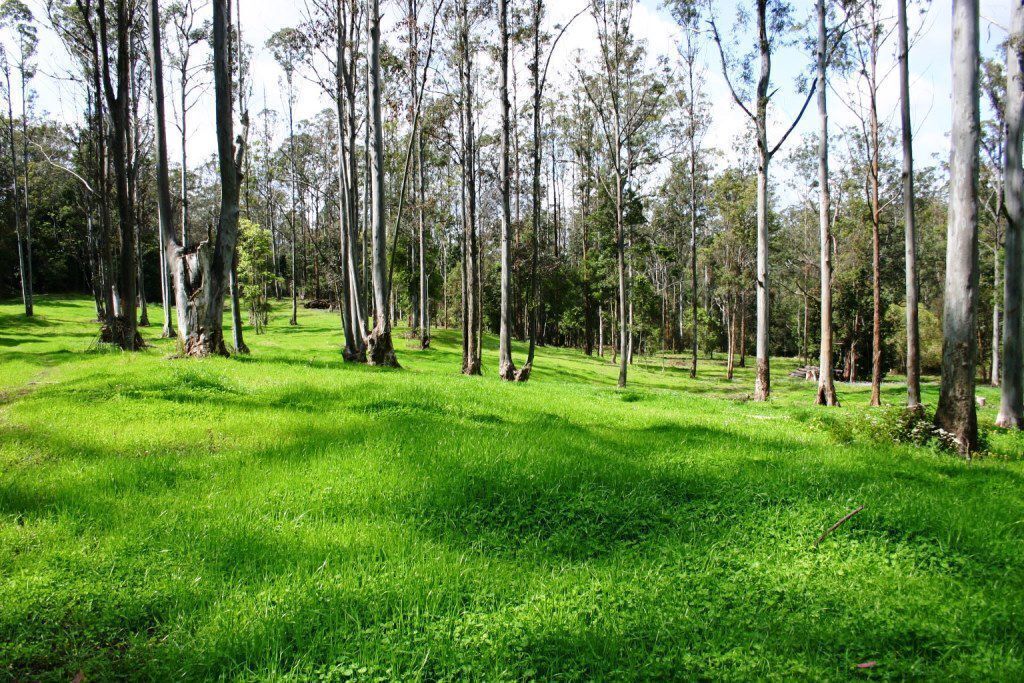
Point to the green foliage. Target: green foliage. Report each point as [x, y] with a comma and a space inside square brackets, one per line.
[255, 271]
[930, 333]
[287, 516]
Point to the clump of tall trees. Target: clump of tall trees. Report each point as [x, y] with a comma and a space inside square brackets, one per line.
[582, 201]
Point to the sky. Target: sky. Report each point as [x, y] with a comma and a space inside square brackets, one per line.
[929, 67]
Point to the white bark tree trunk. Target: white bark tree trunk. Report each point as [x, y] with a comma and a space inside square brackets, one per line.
[1011, 409]
[956, 412]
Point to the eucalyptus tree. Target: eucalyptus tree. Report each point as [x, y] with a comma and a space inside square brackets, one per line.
[75, 21]
[826, 386]
[629, 101]
[1011, 408]
[869, 35]
[695, 106]
[379, 346]
[121, 330]
[957, 413]
[238, 62]
[773, 21]
[17, 21]
[909, 215]
[288, 46]
[538, 78]
[23, 244]
[165, 214]
[190, 65]
[202, 271]
[336, 29]
[991, 194]
[506, 366]
[471, 319]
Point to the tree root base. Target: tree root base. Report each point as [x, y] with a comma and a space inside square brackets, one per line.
[116, 333]
[205, 346]
[1005, 421]
[350, 356]
[380, 350]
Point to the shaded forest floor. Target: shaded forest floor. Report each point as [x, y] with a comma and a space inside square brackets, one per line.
[285, 515]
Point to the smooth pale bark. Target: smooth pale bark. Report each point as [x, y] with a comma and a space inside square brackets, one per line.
[762, 382]
[538, 11]
[996, 369]
[691, 56]
[420, 193]
[26, 264]
[294, 320]
[506, 367]
[165, 214]
[956, 413]
[354, 350]
[765, 153]
[910, 231]
[1011, 408]
[379, 347]
[876, 214]
[826, 385]
[471, 289]
[24, 274]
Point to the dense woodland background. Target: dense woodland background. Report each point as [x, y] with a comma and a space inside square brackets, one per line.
[682, 214]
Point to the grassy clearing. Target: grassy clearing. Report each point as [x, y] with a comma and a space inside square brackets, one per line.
[284, 515]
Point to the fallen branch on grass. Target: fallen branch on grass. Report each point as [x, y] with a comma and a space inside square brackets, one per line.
[838, 524]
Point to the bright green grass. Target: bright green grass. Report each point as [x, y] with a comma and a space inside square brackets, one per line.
[285, 515]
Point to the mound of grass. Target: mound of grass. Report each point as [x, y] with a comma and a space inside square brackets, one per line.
[287, 516]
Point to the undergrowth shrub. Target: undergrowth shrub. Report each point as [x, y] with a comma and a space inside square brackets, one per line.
[892, 424]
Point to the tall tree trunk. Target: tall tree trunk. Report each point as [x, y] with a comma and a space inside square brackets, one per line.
[762, 383]
[506, 367]
[379, 347]
[471, 353]
[876, 220]
[826, 386]
[692, 139]
[23, 271]
[996, 371]
[202, 271]
[956, 413]
[1011, 409]
[910, 230]
[28, 290]
[163, 186]
[122, 330]
[294, 320]
[353, 351]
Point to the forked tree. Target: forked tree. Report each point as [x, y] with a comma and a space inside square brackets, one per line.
[201, 271]
[379, 347]
[771, 18]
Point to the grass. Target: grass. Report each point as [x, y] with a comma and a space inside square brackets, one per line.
[287, 516]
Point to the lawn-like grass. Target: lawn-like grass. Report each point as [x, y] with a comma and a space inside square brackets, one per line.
[285, 515]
